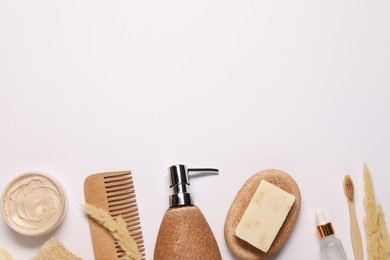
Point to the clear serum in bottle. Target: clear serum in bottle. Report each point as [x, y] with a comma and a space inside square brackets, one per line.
[331, 247]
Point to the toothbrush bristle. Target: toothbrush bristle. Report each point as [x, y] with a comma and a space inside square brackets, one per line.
[348, 187]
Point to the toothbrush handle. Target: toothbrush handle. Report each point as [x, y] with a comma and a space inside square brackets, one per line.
[356, 237]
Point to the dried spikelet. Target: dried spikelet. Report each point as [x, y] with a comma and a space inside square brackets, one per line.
[118, 229]
[123, 235]
[374, 222]
[382, 234]
[370, 220]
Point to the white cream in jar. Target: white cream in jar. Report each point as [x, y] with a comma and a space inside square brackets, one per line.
[33, 204]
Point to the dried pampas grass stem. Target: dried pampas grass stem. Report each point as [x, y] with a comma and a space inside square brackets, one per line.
[378, 244]
[117, 228]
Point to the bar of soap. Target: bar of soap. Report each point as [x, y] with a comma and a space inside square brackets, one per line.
[242, 249]
[264, 216]
[4, 255]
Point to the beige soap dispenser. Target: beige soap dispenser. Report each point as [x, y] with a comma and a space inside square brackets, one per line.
[184, 232]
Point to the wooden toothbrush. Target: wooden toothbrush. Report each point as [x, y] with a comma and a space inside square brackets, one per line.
[356, 237]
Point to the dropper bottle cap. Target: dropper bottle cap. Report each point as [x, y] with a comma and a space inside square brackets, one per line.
[324, 226]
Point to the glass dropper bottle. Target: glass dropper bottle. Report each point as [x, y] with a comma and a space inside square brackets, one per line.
[331, 247]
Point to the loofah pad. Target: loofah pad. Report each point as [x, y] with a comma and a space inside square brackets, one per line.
[53, 250]
[242, 249]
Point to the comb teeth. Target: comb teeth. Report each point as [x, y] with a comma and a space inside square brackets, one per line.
[348, 187]
[122, 201]
[114, 192]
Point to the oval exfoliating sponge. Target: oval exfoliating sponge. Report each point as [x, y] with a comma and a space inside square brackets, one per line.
[242, 249]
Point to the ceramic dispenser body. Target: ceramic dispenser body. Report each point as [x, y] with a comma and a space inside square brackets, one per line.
[184, 232]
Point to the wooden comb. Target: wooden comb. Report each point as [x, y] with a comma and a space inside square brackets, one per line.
[115, 193]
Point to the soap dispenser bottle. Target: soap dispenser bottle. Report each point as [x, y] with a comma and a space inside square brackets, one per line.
[184, 232]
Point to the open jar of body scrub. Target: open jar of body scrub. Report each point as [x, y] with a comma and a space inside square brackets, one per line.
[33, 204]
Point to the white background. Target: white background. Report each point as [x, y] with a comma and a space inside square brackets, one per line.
[94, 86]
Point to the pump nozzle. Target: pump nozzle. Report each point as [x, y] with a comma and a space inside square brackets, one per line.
[179, 179]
